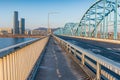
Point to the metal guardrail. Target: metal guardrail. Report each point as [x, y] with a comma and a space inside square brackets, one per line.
[33, 72]
[17, 62]
[8, 50]
[93, 60]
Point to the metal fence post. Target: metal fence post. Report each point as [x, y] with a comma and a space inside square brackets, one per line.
[83, 59]
[98, 71]
[1, 69]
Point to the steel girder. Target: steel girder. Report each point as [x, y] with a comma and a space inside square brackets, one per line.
[97, 13]
[69, 28]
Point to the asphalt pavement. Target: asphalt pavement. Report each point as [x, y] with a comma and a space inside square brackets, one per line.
[57, 65]
[108, 50]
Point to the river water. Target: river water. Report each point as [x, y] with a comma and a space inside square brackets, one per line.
[6, 42]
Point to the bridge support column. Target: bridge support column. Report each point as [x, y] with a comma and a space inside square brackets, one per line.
[115, 19]
[95, 33]
[83, 59]
[85, 28]
[101, 30]
[80, 29]
[98, 71]
[89, 27]
[77, 32]
[104, 19]
[106, 27]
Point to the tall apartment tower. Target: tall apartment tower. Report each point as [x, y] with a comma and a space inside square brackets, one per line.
[15, 23]
[22, 26]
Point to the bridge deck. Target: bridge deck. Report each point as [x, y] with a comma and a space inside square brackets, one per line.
[108, 50]
[57, 65]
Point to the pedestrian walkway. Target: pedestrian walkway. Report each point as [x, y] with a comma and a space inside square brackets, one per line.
[57, 65]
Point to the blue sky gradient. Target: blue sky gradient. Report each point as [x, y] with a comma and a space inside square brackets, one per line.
[36, 11]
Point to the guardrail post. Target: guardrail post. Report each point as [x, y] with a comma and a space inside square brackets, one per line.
[5, 67]
[99, 61]
[83, 59]
[74, 52]
[98, 71]
[61, 43]
[10, 62]
[8, 66]
[69, 49]
[1, 69]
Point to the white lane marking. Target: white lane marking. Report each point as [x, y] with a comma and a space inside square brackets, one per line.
[109, 48]
[45, 67]
[55, 55]
[116, 53]
[113, 51]
[96, 50]
[58, 73]
[116, 48]
[100, 51]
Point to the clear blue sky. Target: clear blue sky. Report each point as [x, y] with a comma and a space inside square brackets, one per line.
[35, 11]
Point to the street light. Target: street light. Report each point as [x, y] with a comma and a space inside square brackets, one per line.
[49, 18]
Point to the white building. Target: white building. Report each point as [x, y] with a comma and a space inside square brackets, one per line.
[5, 31]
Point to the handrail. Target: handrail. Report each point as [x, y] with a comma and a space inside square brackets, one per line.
[100, 60]
[18, 61]
[7, 50]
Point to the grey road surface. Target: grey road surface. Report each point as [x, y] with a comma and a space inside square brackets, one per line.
[57, 65]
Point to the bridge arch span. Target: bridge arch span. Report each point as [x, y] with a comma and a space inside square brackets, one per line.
[96, 14]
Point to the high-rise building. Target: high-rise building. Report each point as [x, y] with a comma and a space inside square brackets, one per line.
[22, 26]
[15, 23]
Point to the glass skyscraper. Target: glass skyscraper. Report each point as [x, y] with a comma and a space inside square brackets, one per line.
[15, 23]
[22, 26]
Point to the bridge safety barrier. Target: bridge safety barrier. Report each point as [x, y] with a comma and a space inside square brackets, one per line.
[90, 59]
[16, 62]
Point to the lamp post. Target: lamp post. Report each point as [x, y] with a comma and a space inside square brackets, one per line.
[49, 30]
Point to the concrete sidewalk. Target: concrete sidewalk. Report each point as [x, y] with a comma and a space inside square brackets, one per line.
[57, 65]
